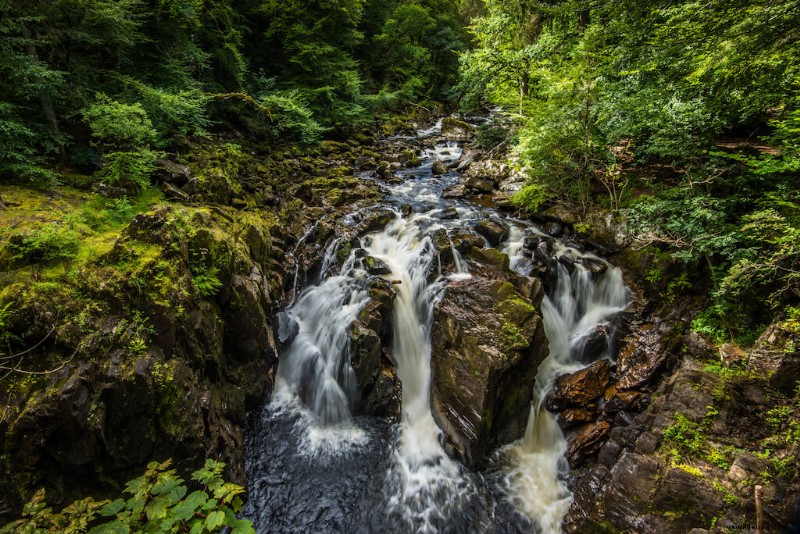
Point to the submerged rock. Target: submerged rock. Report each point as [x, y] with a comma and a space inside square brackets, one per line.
[488, 341]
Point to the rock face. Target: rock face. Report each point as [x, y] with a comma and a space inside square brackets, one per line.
[376, 376]
[488, 341]
[690, 460]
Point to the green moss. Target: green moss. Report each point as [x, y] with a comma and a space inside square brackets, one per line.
[512, 338]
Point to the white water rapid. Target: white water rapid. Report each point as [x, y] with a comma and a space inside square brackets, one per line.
[314, 467]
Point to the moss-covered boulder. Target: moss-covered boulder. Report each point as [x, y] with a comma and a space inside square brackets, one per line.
[488, 341]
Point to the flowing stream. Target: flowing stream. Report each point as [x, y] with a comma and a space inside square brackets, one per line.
[314, 467]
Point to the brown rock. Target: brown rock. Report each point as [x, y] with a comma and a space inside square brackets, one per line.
[580, 389]
[487, 343]
[571, 417]
[478, 184]
[587, 443]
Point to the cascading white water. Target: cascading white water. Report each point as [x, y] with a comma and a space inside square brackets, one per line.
[537, 468]
[421, 471]
[315, 365]
[401, 479]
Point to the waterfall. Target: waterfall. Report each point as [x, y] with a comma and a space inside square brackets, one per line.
[578, 304]
[315, 467]
[315, 365]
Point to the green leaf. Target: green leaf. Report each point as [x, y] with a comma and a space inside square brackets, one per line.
[115, 527]
[197, 498]
[157, 508]
[112, 508]
[167, 485]
[214, 520]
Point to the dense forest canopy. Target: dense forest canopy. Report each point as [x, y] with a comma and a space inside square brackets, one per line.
[292, 69]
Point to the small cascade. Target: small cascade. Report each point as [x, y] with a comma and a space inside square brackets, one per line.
[422, 473]
[578, 305]
[315, 365]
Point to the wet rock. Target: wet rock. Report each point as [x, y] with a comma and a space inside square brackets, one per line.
[464, 240]
[487, 343]
[587, 443]
[595, 266]
[571, 417]
[171, 172]
[438, 167]
[490, 171]
[568, 259]
[580, 389]
[591, 345]
[553, 229]
[375, 374]
[490, 257]
[449, 213]
[377, 220]
[376, 266]
[385, 397]
[617, 401]
[245, 316]
[537, 242]
[641, 360]
[456, 191]
[494, 230]
[468, 156]
[478, 184]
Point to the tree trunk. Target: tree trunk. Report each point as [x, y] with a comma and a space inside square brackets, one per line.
[47, 105]
[583, 19]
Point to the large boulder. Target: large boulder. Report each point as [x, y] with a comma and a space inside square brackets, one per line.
[373, 366]
[491, 171]
[488, 341]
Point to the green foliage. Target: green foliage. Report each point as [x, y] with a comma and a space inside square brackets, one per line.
[118, 126]
[159, 501]
[128, 168]
[491, 134]
[530, 197]
[48, 242]
[685, 435]
[595, 87]
[205, 280]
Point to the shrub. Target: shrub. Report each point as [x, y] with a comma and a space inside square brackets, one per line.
[119, 126]
[530, 197]
[131, 168]
[158, 503]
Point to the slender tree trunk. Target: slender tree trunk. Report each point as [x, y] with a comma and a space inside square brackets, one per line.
[583, 19]
[47, 105]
